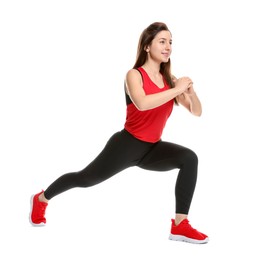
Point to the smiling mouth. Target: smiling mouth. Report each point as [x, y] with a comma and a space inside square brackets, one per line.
[166, 54]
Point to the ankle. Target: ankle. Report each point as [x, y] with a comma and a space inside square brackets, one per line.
[42, 198]
[179, 218]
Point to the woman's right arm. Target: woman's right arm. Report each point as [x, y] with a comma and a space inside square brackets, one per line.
[134, 88]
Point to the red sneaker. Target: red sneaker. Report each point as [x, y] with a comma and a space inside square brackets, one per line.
[184, 232]
[37, 213]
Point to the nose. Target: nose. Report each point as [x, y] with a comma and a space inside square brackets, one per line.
[168, 46]
[168, 49]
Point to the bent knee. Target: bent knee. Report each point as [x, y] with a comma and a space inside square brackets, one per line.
[190, 157]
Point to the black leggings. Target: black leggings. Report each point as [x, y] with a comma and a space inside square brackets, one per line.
[123, 151]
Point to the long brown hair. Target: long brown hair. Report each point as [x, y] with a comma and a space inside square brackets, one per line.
[145, 39]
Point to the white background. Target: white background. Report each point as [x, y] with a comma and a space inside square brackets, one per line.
[62, 66]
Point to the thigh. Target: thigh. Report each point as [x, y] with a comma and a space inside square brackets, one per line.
[121, 151]
[165, 156]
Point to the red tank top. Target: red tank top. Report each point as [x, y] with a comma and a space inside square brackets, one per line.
[148, 125]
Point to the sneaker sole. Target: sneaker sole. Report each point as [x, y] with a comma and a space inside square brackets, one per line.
[42, 224]
[188, 240]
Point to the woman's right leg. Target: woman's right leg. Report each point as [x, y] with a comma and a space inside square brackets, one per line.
[121, 151]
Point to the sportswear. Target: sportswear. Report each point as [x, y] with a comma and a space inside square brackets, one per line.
[148, 125]
[184, 232]
[37, 213]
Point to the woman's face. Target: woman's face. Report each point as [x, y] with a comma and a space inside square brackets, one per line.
[160, 47]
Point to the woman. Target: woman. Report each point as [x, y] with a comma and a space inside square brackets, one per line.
[151, 92]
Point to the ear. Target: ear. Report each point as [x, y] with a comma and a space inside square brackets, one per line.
[147, 49]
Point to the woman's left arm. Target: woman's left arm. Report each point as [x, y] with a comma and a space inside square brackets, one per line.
[190, 101]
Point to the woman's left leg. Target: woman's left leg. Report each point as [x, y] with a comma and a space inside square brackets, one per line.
[165, 156]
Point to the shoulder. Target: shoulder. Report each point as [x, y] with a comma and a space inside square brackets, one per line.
[133, 75]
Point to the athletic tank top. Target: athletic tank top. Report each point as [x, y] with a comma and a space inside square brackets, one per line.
[148, 125]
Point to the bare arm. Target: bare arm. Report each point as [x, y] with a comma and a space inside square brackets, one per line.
[134, 88]
[190, 101]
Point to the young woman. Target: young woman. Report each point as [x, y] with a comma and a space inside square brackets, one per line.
[151, 92]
